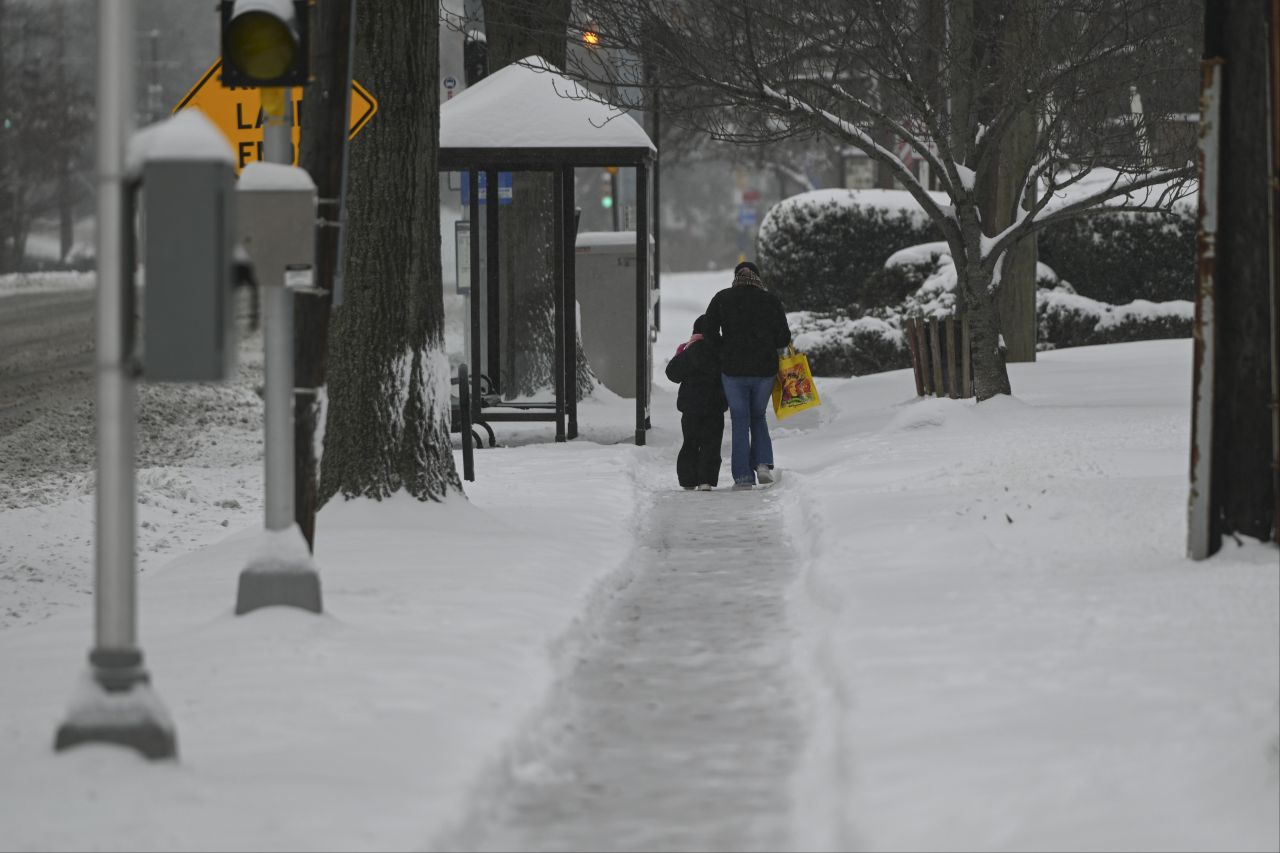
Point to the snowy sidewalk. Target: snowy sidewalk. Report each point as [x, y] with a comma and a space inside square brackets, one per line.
[675, 728]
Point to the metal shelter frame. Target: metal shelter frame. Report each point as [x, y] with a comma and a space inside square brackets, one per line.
[561, 162]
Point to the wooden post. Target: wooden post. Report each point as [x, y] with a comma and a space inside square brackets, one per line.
[916, 365]
[937, 355]
[922, 338]
[966, 365]
[953, 363]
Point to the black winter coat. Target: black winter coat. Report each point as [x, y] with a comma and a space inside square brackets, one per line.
[751, 327]
[697, 369]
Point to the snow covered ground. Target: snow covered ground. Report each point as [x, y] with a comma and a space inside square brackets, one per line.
[967, 627]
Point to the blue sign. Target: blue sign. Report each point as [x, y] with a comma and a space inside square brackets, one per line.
[504, 188]
[746, 216]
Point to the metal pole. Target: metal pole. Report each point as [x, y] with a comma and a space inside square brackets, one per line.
[114, 591]
[277, 318]
[563, 345]
[134, 716]
[642, 303]
[1275, 266]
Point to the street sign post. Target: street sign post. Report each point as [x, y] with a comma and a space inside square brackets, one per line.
[238, 113]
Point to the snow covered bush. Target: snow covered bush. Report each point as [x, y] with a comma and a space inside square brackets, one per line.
[816, 250]
[868, 338]
[1119, 257]
[1070, 320]
[838, 345]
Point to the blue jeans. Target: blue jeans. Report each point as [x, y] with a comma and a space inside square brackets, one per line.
[748, 398]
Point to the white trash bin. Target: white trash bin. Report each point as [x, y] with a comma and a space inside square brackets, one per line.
[605, 279]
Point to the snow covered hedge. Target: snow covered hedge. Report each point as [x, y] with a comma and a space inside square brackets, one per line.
[869, 339]
[825, 251]
[1069, 320]
[817, 249]
[838, 345]
[1120, 257]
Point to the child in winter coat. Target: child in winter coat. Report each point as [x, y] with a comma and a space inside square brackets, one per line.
[702, 404]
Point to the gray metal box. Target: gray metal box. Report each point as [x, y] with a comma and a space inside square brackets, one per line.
[605, 284]
[189, 332]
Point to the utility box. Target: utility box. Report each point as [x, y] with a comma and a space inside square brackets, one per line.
[189, 332]
[276, 220]
[605, 281]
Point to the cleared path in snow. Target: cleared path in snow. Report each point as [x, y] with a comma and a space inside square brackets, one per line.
[675, 729]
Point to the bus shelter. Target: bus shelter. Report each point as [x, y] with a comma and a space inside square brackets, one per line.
[528, 117]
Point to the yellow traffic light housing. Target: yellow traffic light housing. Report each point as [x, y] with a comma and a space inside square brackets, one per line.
[264, 43]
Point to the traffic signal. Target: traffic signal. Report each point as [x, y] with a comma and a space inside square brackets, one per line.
[607, 190]
[475, 57]
[265, 43]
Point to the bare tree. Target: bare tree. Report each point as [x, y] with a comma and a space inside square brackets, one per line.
[46, 120]
[387, 425]
[953, 87]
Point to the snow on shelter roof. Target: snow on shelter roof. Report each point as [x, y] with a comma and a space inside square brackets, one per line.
[530, 104]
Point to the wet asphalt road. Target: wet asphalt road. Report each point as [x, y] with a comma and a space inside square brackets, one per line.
[46, 383]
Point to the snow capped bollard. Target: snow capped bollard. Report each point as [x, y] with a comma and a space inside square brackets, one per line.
[280, 571]
[276, 220]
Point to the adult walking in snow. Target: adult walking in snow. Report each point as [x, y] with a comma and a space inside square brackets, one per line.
[751, 327]
[701, 403]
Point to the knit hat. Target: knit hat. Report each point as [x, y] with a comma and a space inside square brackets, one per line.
[746, 273]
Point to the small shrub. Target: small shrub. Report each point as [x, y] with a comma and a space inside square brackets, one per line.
[840, 346]
[892, 285]
[1067, 320]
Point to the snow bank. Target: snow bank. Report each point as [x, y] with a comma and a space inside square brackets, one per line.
[45, 282]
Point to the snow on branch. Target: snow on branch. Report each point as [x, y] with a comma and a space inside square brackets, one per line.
[943, 216]
[1151, 192]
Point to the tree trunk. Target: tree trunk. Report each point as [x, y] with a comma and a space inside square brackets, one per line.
[387, 426]
[963, 79]
[974, 294]
[990, 376]
[6, 154]
[999, 190]
[527, 235]
[516, 29]
[1242, 490]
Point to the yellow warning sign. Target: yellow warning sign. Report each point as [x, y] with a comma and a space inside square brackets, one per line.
[238, 113]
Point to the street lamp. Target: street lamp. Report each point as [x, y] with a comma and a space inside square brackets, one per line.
[264, 43]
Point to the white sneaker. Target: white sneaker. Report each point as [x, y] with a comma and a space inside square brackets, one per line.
[764, 473]
[704, 487]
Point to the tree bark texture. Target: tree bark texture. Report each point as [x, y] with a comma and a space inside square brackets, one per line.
[999, 188]
[990, 375]
[526, 231]
[387, 426]
[1242, 491]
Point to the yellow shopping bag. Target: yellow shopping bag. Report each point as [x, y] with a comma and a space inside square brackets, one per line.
[793, 388]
